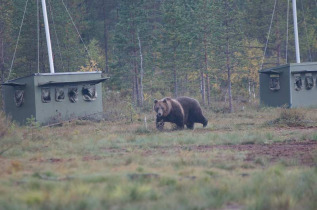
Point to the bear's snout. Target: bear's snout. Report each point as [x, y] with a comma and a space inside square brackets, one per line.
[160, 113]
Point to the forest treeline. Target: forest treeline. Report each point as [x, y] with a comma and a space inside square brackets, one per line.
[208, 49]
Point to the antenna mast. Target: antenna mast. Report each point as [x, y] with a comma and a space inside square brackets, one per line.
[48, 38]
[296, 32]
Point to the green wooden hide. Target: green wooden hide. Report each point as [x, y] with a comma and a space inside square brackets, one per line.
[51, 98]
[291, 85]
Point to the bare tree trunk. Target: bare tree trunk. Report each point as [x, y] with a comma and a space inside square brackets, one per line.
[249, 90]
[253, 89]
[134, 83]
[175, 77]
[136, 80]
[249, 78]
[228, 64]
[2, 70]
[202, 88]
[175, 82]
[42, 60]
[208, 90]
[205, 69]
[141, 73]
[133, 87]
[278, 41]
[105, 37]
[134, 73]
[202, 75]
[2, 58]
[135, 66]
[229, 80]
[226, 93]
[185, 84]
[106, 49]
[180, 87]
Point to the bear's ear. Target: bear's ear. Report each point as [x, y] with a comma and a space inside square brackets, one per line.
[165, 101]
[155, 101]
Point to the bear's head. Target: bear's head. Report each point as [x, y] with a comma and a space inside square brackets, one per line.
[162, 107]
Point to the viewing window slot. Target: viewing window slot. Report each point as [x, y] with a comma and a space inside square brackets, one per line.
[89, 92]
[59, 94]
[46, 95]
[73, 94]
[309, 81]
[19, 97]
[274, 82]
[298, 82]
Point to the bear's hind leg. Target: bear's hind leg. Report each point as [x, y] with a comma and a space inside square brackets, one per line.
[205, 122]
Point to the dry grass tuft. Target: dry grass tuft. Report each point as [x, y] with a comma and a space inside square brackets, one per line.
[291, 118]
[8, 139]
[4, 125]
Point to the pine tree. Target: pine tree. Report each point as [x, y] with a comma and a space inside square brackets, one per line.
[6, 42]
[229, 41]
[129, 29]
[176, 41]
[205, 22]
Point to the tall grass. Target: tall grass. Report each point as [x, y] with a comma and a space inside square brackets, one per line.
[125, 165]
[4, 125]
[8, 135]
[291, 117]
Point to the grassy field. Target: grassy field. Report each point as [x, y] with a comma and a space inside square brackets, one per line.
[252, 159]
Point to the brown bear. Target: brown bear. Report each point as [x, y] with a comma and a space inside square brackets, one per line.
[181, 111]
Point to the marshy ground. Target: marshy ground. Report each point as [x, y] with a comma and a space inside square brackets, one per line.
[254, 159]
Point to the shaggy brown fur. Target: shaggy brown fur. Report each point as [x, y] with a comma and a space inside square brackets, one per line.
[181, 111]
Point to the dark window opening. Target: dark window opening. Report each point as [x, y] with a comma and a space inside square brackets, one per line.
[73, 94]
[309, 81]
[59, 94]
[89, 92]
[19, 97]
[275, 82]
[298, 82]
[46, 95]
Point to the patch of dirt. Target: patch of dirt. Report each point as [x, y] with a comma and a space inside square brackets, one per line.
[233, 206]
[55, 160]
[302, 151]
[143, 176]
[50, 160]
[89, 158]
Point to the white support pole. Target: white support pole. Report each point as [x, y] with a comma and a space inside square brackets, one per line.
[48, 38]
[296, 32]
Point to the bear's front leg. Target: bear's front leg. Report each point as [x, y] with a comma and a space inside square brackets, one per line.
[179, 120]
[159, 124]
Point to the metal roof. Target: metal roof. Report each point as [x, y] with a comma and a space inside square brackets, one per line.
[278, 68]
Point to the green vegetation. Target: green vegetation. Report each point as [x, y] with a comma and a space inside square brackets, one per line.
[106, 165]
[207, 49]
[291, 117]
[252, 158]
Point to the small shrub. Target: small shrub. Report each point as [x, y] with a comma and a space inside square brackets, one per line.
[142, 130]
[31, 122]
[4, 126]
[291, 118]
[8, 138]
